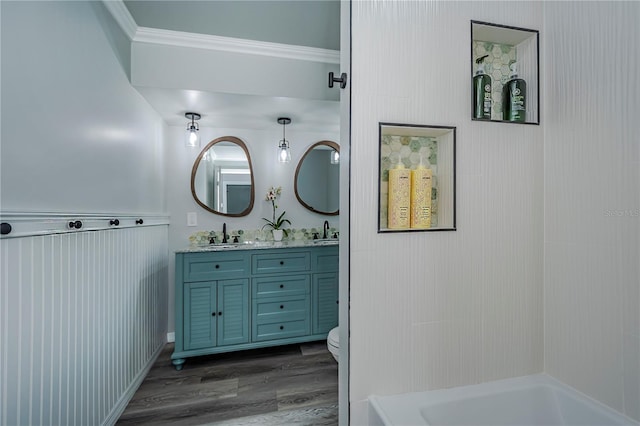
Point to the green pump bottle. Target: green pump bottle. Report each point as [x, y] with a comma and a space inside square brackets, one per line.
[514, 97]
[481, 92]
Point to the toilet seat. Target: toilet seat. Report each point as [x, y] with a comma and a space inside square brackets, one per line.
[333, 343]
[333, 338]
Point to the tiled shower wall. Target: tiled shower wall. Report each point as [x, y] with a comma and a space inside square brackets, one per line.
[440, 309]
[81, 317]
[592, 199]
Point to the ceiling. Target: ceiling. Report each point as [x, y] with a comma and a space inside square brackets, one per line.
[310, 23]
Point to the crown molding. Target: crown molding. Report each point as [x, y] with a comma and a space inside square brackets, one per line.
[235, 45]
[211, 42]
[122, 16]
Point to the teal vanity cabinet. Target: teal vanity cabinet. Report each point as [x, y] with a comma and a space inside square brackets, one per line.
[250, 298]
[324, 285]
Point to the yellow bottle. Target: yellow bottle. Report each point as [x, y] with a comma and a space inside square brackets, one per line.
[399, 197]
[421, 197]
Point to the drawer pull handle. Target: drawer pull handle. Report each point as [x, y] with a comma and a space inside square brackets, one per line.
[219, 314]
[217, 266]
[282, 262]
[282, 327]
[213, 314]
[281, 306]
[337, 302]
[281, 285]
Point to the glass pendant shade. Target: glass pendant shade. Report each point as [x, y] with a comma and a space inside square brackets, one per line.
[192, 138]
[284, 154]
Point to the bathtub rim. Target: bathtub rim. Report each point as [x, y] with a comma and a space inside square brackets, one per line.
[410, 404]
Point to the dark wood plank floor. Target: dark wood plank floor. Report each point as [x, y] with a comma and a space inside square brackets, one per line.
[285, 385]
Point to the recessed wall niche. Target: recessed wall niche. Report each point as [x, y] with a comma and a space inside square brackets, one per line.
[495, 48]
[417, 184]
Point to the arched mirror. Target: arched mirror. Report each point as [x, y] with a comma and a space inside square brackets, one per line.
[222, 178]
[317, 180]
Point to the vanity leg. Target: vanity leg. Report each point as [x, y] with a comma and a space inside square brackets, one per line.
[178, 363]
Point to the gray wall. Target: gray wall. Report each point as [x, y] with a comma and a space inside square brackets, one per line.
[75, 135]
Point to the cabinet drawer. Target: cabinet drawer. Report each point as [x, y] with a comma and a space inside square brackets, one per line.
[267, 311]
[281, 330]
[281, 287]
[326, 260]
[285, 262]
[210, 266]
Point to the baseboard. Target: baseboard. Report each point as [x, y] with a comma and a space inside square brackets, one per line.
[171, 337]
[121, 405]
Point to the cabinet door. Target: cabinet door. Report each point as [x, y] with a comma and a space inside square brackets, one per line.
[233, 312]
[325, 302]
[199, 315]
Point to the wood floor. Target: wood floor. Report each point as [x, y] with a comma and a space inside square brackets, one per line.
[285, 385]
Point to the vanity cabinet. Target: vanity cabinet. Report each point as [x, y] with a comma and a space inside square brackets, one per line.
[216, 313]
[245, 299]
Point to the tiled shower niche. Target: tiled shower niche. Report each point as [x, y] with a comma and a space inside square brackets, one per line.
[504, 45]
[410, 145]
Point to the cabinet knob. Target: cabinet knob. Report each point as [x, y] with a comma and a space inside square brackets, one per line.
[337, 302]
[139, 221]
[281, 285]
[282, 327]
[282, 262]
[219, 314]
[217, 266]
[281, 306]
[114, 222]
[213, 314]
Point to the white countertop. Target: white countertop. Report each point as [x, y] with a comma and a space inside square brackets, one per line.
[258, 245]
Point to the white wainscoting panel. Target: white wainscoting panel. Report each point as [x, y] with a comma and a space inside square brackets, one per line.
[81, 316]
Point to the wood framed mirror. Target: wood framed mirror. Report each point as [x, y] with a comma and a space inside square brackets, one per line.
[317, 178]
[222, 178]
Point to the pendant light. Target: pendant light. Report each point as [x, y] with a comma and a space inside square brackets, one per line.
[193, 137]
[284, 154]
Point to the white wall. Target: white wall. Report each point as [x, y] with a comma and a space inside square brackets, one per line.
[592, 199]
[262, 146]
[439, 309]
[75, 135]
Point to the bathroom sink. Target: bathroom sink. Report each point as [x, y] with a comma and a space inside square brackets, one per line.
[325, 242]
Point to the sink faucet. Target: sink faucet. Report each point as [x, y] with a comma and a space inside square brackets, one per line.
[325, 229]
[224, 233]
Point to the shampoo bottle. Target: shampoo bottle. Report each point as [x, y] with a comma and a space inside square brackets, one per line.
[481, 92]
[514, 97]
[399, 197]
[421, 197]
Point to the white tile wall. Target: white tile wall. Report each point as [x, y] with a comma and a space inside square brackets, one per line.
[592, 199]
[440, 309]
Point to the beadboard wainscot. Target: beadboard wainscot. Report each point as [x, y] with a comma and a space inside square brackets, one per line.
[83, 306]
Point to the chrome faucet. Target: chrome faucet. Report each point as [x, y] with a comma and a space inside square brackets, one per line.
[325, 230]
[224, 233]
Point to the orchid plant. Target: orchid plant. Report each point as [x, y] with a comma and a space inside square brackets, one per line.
[272, 195]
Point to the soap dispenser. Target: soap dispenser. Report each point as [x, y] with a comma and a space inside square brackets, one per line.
[481, 92]
[514, 97]
[421, 196]
[399, 196]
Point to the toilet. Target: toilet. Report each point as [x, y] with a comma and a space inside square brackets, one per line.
[333, 343]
